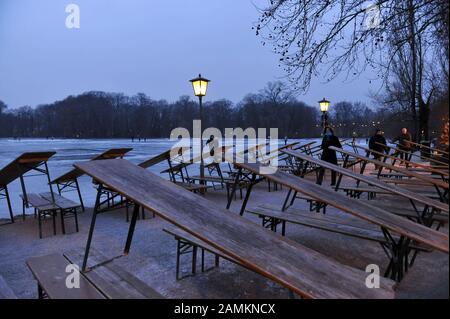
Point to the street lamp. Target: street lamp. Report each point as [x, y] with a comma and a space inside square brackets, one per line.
[200, 86]
[324, 106]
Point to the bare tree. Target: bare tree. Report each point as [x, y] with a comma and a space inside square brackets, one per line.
[347, 36]
[343, 35]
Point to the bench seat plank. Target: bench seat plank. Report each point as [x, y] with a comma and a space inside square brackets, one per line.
[112, 280]
[301, 269]
[321, 222]
[60, 201]
[50, 272]
[5, 291]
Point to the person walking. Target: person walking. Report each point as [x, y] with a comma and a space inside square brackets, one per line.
[378, 143]
[404, 143]
[329, 139]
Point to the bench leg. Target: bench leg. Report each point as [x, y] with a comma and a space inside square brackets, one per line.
[91, 229]
[177, 268]
[76, 220]
[63, 226]
[131, 229]
[194, 259]
[23, 209]
[40, 292]
[398, 254]
[217, 260]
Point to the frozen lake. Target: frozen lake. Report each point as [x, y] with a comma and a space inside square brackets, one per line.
[67, 152]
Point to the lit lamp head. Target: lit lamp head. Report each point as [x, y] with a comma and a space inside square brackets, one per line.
[324, 105]
[200, 85]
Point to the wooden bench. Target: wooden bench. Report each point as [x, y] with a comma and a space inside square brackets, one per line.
[272, 216]
[292, 265]
[33, 161]
[69, 180]
[188, 244]
[108, 281]
[42, 209]
[67, 208]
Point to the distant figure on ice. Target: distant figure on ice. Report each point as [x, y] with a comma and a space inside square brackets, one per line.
[329, 139]
[285, 140]
[212, 143]
[404, 143]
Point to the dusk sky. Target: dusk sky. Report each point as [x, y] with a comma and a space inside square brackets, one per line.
[133, 46]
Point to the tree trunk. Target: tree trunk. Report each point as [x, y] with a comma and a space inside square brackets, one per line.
[424, 117]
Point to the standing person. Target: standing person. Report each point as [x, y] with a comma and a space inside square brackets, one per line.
[378, 143]
[329, 139]
[285, 140]
[404, 144]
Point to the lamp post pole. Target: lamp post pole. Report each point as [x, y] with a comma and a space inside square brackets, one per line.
[202, 167]
[200, 86]
[324, 119]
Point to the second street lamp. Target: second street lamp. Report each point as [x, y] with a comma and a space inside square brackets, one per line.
[200, 86]
[324, 106]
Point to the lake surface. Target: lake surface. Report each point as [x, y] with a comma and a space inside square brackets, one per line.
[69, 151]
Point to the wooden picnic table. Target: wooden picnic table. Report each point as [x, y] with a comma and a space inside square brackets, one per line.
[431, 181]
[426, 168]
[387, 221]
[429, 148]
[400, 151]
[18, 168]
[294, 266]
[395, 190]
[166, 155]
[69, 180]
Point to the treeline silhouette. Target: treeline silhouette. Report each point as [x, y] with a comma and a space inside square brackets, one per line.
[112, 115]
[115, 115]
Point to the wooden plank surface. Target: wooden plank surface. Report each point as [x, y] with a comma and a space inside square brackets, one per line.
[75, 173]
[50, 271]
[60, 201]
[410, 163]
[370, 180]
[5, 291]
[422, 177]
[427, 147]
[361, 209]
[21, 165]
[111, 279]
[413, 154]
[163, 156]
[303, 270]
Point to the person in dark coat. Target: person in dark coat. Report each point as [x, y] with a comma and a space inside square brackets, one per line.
[329, 139]
[374, 144]
[404, 143]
